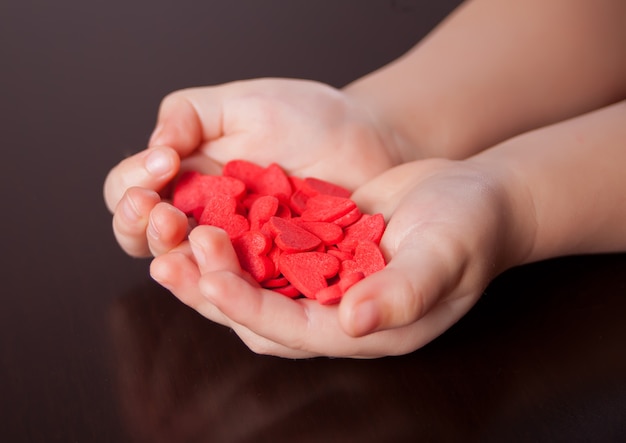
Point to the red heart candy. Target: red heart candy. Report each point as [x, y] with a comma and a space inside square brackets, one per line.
[308, 271]
[350, 218]
[329, 233]
[368, 257]
[297, 201]
[349, 279]
[327, 208]
[329, 295]
[276, 282]
[261, 210]
[368, 227]
[288, 290]
[314, 186]
[291, 238]
[243, 170]
[220, 211]
[273, 181]
[193, 190]
[295, 236]
[252, 248]
[349, 267]
[334, 293]
[341, 255]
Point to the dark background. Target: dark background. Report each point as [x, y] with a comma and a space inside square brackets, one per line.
[91, 350]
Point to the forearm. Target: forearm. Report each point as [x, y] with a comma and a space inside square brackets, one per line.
[572, 175]
[495, 69]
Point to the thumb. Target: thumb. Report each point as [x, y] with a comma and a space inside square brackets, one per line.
[413, 282]
[187, 118]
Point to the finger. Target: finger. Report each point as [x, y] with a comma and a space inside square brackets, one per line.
[213, 250]
[224, 121]
[187, 118]
[270, 323]
[263, 346]
[167, 228]
[177, 271]
[151, 169]
[130, 220]
[417, 278]
[180, 273]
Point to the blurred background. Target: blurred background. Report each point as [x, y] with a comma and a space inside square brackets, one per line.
[91, 350]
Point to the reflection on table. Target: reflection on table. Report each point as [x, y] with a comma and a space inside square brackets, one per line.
[509, 369]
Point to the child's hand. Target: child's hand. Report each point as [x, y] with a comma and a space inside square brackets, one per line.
[309, 128]
[452, 227]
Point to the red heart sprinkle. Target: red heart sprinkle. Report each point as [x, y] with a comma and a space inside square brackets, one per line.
[329, 295]
[349, 279]
[341, 255]
[243, 170]
[329, 233]
[220, 211]
[369, 227]
[327, 208]
[273, 181]
[261, 210]
[350, 218]
[308, 271]
[291, 238]
[292, 235]
[349, 267]
[193, 190]
[288, 290]
[368, 257]
[276, 282]
[313, 186]
[298, 200]
[252, 248]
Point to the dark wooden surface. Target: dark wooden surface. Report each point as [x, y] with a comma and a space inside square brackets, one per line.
[91, 350]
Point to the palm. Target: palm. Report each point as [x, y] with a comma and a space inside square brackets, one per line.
[436, 226]
[308, 128]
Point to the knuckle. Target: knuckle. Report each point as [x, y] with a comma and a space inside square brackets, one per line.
[413, 302]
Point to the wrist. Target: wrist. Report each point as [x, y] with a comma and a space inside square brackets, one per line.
[514, 209]
[374, 96]
[419, 114]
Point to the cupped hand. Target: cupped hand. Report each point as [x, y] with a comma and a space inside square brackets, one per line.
[309, 128]
[451, 228]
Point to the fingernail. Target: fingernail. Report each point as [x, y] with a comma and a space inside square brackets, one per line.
[158, 163]
[365, 317]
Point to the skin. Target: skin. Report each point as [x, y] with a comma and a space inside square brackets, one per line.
[468, 191]
[262, 120]
[496, 69]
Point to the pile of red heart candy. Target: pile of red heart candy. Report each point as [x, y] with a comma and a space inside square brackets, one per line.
[296, 236]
